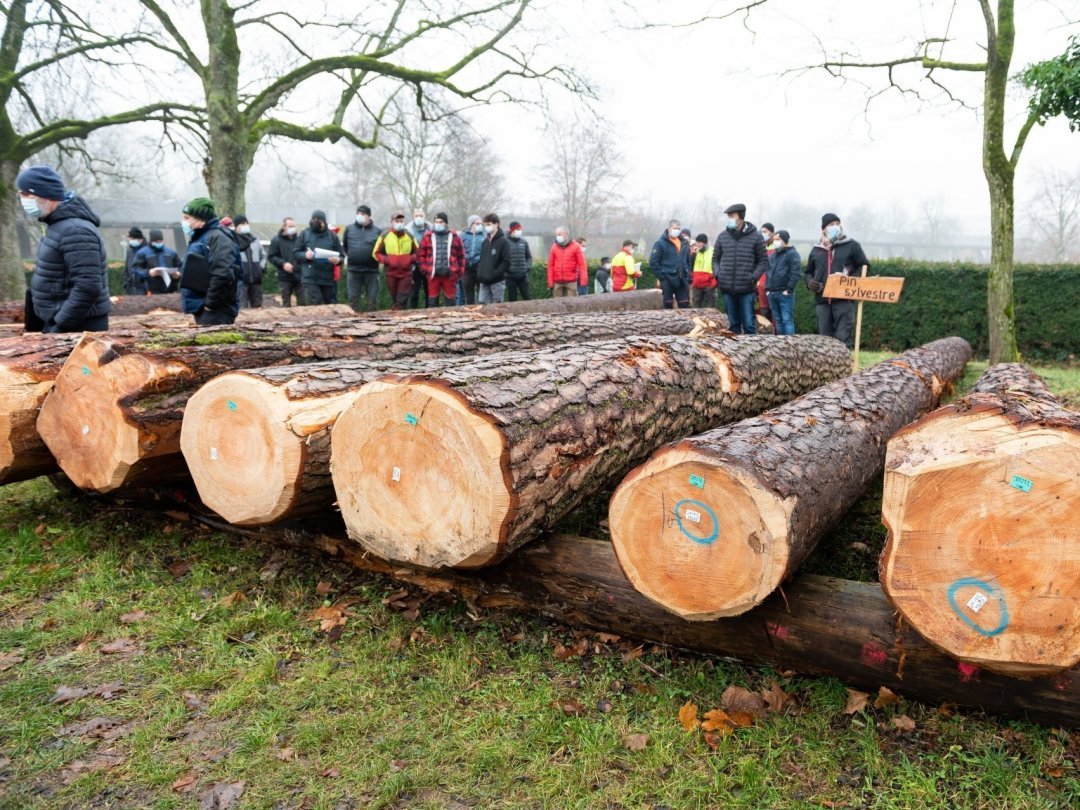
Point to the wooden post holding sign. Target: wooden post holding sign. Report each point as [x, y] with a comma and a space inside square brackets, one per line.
[876, 289]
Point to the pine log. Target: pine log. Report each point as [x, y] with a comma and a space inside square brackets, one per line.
[637, 300]
[458, 469]
[711, 525]
[114, 416]
[12, 312]
[819, 626]
[981, 502]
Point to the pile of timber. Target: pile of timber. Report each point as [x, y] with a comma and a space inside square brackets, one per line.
[982, 504]
[711, 525]
[458, 468]
[113, 417]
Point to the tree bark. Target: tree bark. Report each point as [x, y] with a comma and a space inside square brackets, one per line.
[257, 442]
[613, 302]
[819, 626]
[711, 525]
[983, 551]
[460, 468]
[12, 271]
[113, 417]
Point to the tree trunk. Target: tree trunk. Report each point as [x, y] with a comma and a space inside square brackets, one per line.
[113, 418]
[981, 499]
[711, 525]
[28, 366]
[257, 442]
[231, 154]
[819, 626]
[613, 302]
[458, 469]
[12, 271]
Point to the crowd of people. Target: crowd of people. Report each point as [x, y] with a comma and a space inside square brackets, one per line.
[422, 264]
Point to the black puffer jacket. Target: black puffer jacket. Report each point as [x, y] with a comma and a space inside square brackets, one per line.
[844, 256]
[739, 260]
[520, 258]
[494, 259]
[70, 283]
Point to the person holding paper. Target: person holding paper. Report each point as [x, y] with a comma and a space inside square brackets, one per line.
[318, 251]
[157, 266]
[211, 267]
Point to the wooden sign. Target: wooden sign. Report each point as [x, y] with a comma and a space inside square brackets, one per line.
[877, 289]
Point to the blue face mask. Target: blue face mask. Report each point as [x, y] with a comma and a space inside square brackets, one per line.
[157, 245]
[134, 243]
[833, 232]
[30, 206]
[732, 224]
[439, 228]
[187, 229]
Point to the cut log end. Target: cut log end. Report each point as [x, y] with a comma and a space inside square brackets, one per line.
[698, 540]
[983, 556]
[239, 450]
[420, 477]
[22, 454]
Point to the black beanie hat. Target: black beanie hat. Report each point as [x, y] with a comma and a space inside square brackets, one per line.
[442, 216]
[41, 181]
[318, 214]
[363, 209]
[828, 220]
[135, 233]
[156, 235]
[768, 226]
[703, 238]
[785, 237]
[240, 219]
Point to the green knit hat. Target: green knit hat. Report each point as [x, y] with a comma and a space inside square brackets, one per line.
[201, 208]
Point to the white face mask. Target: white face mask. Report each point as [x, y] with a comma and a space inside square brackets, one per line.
[30, 206]
[399, 226]
[766, 235]
[490, 228]
[515, 234]
[477, 228]
[363, 219]
[674, 232]
[290, 231]
[419, 222]
[560, 239]
[243, 229]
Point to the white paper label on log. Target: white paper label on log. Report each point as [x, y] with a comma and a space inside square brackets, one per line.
[213, 454]
[85, 429]
[977, 602]
[396, 475]
[692, 516]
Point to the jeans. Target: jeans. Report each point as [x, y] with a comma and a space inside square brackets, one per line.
[363, 286]
[492, 293]
[290, 283]
[517, 287]
[582, 289]
[675, 290]
[783, 312]
[459, 297]
[704, 298]
[320, 294]
[740, 312]
[837, 320]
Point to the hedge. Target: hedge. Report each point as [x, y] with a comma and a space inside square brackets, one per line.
[938, 299]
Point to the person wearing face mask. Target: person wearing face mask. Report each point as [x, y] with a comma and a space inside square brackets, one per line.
[157, 266]
[396, 250]
[317, 269]
[768, 236]
[566, 268]
[702, 280]
[282, 255]
[602, 282]
[210, 273]
[418, 227]
[785, 267]
[69, 290]
[739, 260]
[517, 277]
[624, 270]
[131, 282]
[473, 239]
[253, 260]
[494, 262]
[836, 253]
[441, 258]
[363, 275]
[670, 263]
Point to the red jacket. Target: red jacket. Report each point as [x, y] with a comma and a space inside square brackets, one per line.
[425, 256]
[566, 265]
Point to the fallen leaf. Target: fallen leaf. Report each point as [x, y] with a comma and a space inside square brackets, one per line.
[121, 646]
[776, 699]
[688, 716]
[48, 624]
[179, 568]
[323, 588]
[104, 761]
[193, 701]
[712, 739]
[185, 783]
[633, 654]
[856, 701]
[608, 638]
[133, 617]
[570, 706]
[4, 761]
[398, 764]
[272, 567]
[233, 599]
[334, 773]
[644, 689]
[105, 728]
[66, 694]
[740, 699]
[221, 796]
[1053, 773]
[718, 721]
[10, 659]
[603, 706]
[903, 723]
[286, 755]
[182, 517]
[886, 697]
[107, 691]
[635, 742]
[40, 529]
[577, 650]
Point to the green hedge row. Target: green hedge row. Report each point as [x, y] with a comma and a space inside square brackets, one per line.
[938, 300]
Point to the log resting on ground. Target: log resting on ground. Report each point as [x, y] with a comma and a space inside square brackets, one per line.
[636, 300]
[113, 418]
[819, 626]
[460, 468]
[711, 525]
[981, 501]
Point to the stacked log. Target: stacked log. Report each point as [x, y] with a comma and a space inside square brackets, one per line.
[114, 416]
[459, 468]
[711, 525]
[981, 502]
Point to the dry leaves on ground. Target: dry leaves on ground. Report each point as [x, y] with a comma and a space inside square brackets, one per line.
[133, 617]
[856, 701]
[221, 796]
[331, 616]
[635, 742]
[903, 723]
[886, 697]
[10, 659]
[688, 716]
[66, 694]
[121, 646]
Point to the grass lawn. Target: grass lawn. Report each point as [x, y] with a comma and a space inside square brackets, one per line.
[147, 662]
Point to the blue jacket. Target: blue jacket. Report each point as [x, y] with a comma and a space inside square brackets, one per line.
[667, 261]
[785, 270]
[215, 245]
[70, 282]
[148, 258]
[474, 246]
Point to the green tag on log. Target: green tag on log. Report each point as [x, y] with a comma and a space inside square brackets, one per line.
[697, 481]
[412, 420]
[1022, 484]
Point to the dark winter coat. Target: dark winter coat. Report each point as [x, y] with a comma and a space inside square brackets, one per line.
[669, 261]
[149, 258]
[843, 256]
[70, 283]
[131, 282]
[739, 260]
[221, 252]
[317, 271]
[282, 251]
[359, 244]
[251, 257]
[785, 268]
[494, 259]
[520, 259]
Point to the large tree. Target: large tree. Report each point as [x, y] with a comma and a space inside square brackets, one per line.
[320, 61]
[583, 170]
[48, 101]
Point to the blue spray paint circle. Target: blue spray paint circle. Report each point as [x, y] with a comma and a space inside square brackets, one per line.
[704, 540]
[230, 405]
[995, 593]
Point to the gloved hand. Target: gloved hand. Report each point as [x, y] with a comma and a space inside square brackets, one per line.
[815, 285]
